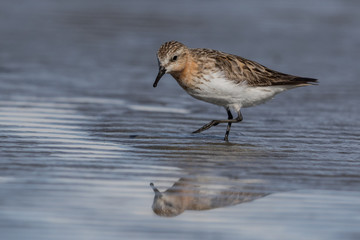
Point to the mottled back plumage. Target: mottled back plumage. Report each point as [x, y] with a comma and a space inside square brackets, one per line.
[239, 69]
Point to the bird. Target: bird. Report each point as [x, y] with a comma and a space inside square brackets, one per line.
[223, 79]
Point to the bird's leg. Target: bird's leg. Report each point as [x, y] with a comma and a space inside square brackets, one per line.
[216, 122]
[230, 116]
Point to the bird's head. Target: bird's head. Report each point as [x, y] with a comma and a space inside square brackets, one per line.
[172, 57]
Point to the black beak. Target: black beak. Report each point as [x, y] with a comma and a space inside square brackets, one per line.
[161, 73]
[156, 191]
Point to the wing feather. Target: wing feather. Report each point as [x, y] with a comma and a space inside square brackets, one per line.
[254, 74]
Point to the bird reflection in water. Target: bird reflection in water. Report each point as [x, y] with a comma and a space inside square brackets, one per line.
[204, 193]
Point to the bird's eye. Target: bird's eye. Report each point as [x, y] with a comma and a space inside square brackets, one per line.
[174, 58]
[168, 204]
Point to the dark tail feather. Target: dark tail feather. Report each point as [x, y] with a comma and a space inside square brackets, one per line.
[304, 80]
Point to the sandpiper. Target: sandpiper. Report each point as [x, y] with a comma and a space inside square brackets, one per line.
[223, 79]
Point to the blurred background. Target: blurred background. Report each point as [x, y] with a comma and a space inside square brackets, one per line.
[83, 132]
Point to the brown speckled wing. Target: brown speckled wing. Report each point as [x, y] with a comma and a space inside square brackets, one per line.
[239, 69]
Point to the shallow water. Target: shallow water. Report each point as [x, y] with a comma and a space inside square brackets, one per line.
[83, 132]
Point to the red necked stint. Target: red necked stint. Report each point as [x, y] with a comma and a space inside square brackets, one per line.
[223, 79]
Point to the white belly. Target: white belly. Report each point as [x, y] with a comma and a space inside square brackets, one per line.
[227, 93]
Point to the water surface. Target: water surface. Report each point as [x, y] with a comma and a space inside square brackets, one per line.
[83, 133]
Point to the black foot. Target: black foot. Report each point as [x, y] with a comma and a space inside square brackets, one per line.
[207, 126]
[216, 122]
